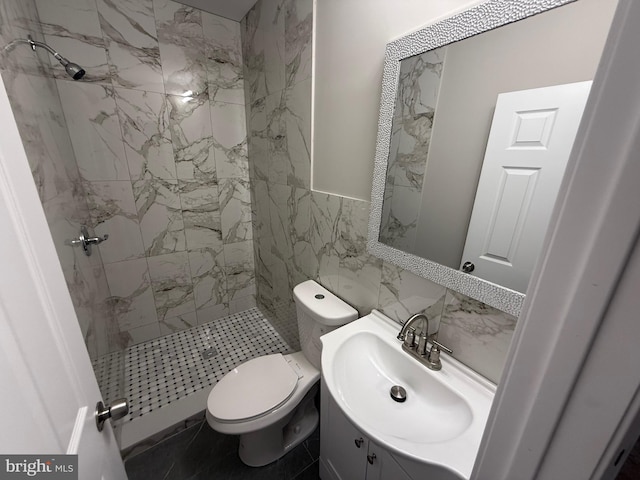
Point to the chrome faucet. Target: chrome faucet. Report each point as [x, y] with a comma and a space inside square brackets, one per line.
[412, 319]
[407, 335]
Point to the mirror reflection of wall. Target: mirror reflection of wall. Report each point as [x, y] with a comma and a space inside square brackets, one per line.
[418, 88]
[436, 156]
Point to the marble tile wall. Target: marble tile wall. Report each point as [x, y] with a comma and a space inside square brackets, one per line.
[38, 111]
[276, 42]
[159, 133]
[301, 234]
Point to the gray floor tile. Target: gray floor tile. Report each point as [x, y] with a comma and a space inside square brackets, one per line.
[312, 472]
[201, 453]
[158, 461]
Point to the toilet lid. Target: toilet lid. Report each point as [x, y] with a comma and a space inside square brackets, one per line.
[252, 389]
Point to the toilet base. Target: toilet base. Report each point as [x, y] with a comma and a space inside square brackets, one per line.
[267, 445]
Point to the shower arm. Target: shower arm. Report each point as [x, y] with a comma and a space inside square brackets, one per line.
[74, 70]
[34, 44]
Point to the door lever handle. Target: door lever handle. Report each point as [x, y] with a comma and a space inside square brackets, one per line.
[117, 410]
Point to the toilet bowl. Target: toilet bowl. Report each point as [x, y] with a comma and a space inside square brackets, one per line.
[269, 401]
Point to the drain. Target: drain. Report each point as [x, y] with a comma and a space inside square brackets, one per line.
[398, 393]
[209, 353]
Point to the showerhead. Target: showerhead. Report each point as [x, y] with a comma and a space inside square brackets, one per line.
[74, 70]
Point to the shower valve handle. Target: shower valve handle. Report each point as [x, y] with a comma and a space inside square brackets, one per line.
[86, 241]
[96, 240]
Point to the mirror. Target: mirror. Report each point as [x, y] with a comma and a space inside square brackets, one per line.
[476, 126]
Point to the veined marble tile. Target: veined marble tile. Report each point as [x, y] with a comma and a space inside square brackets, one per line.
[201, 212]
[235, 210]
[419, 82]
[290, 233]
[90, 111]
[360, 273]
[113, 212]
[282, 285]
[172, 287]
[90, 295]
[298, 128]
[65, 214]
[192, 137]
[141, 334]
[224, 59]
[353, 228]
[298, 26]
[402, 294]
[277, 156]
[182, 52]
[160, 215]
[324, 233]
[170, 325]
[229, 128]
[131, 294]
[301, 225]
[262, 238]
[253, 57]
[257, 140]
[209, 280]
[281, 201]
[36, 106]
[73, 28]
[478, 334]
[206, 315]
[18, 19]
[243, 303]
[399, 225]
[239, 267]
[418, 90]
[269, 14]
[264, 260]
[260, 209]
[272, 24]
[413, 142]
[133, 53]
[144, 117]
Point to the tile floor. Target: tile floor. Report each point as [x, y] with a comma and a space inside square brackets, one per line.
[200, 453]
[169, 368]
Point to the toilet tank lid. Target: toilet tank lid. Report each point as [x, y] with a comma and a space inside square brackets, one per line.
[323, 305]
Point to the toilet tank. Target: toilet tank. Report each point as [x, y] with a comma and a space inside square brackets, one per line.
[319, 311]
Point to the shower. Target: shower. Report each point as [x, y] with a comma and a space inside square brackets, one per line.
[74, 70]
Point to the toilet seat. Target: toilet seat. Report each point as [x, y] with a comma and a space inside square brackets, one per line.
[252, 389]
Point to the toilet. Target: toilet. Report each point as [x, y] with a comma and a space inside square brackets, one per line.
[269, 401]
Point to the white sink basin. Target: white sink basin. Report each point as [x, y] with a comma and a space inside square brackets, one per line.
[443, 418]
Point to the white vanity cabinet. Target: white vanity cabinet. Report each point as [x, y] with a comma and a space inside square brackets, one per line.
[346, 453]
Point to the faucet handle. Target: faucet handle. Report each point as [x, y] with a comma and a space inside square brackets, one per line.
[433, 360]
[410, 337]
[422, 344]
[438, 346]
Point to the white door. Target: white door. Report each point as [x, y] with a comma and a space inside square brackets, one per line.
[48, 389]
[531, 137]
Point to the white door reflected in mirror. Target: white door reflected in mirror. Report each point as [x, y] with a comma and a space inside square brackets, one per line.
[529, 144]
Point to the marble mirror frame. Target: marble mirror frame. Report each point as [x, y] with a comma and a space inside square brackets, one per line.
[479, 19]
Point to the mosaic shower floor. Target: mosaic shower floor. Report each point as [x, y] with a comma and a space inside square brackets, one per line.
[170, 368]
